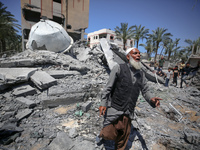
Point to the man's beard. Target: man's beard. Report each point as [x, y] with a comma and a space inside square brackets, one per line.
[135, 64]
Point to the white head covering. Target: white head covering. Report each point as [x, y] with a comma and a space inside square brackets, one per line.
[129, 49]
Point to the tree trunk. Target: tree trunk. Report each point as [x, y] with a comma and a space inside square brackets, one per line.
[156, 51]
[137, 43]
[169, 55]
[161, 53]
[3, 42]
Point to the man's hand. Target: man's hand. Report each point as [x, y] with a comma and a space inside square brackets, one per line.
[156, 101]
[102, 110]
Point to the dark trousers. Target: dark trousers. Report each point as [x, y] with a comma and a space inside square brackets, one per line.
[183, 77]
[166, 82]
[118, 131]
[175, 80]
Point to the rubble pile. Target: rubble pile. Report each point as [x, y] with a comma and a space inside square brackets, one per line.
[50, 101]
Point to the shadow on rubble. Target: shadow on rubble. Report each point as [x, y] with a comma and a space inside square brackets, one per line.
[110, 145]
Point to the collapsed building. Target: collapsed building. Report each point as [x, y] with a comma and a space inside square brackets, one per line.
[50, 100]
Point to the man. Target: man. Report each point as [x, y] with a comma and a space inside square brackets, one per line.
[155, 65]
[161, 62]
[119, 99]
[186, 70]
[182, 65]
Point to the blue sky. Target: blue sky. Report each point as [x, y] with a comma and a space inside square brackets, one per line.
[180, 17]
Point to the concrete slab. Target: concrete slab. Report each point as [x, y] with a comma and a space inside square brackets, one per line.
[26, 101]
[23, 114]
[15, 75]
[24, 90]
[62, 100]
[43, 80]
[17, 63]
[62, 73]
[108, 53]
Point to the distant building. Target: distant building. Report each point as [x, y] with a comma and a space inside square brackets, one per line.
[73, 15]
[93, 38]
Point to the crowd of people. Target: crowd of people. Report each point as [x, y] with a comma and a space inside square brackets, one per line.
[183, 71]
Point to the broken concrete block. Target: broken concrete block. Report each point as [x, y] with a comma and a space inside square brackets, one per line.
[26, 101]
[15, 75]
[63, 100]
[24, 90]
[23, 114]
[108, 53]
[43, 80]
[62, 141]
[86, 106]
[192, 137]
[62, 73]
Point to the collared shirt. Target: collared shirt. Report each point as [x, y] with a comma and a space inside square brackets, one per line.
[112, 114]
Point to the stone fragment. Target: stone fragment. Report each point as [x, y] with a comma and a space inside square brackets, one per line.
[192, 137]
[23, 114]
[43, 80]
[86, 106]
[62, 141]
[26, 101]
[7, 116]
[24, 90]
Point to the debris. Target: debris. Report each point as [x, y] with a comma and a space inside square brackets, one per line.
[24, 90]
[43, 80]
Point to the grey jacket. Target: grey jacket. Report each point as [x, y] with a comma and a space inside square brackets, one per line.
[112, 114]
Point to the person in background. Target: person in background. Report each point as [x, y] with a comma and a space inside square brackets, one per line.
[155, 65]
[182, 65]
[168, 76]
[119, 99]
[175, 75]
[186, 70]
[159, 71]
[161, 62]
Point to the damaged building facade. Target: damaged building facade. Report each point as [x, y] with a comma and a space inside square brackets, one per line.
[73, 15]
[93, 38]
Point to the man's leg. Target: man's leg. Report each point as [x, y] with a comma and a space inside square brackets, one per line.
[123, 127]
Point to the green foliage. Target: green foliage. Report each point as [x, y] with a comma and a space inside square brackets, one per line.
[140, 33]
[9, 39]
[124, 33]
[158, 36]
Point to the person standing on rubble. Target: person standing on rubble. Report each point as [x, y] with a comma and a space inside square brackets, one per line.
[161, 62]
[182, 65]
[120, 96]
[186, 70]
[175, 75]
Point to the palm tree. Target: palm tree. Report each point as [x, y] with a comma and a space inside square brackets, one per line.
[171, 48]
[7, 26]
[164, 45]
[193, 45]
[124, 33]
[159, 36]
[140, 33]
[149, 47]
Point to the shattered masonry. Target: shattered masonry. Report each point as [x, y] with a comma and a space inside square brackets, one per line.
[50, 101]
